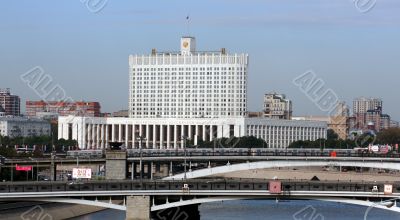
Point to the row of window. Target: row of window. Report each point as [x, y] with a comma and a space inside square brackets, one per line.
[178, 113]
[238, 77]
[189, 69]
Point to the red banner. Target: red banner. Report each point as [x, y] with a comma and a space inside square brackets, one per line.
[23, 168]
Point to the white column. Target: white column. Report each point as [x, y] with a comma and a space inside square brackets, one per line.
[204, 132]
[147, 135]
[102, 141]
[161, 136]
[269, 136]
[133, 136]
[93, 136]
[113, 133]
[98, 139]
[190, 131]
[126, 135]
[175, 136]
[220, 131]
[182, 134]
[154, 136]
[87, 136]
[291, 134]
[281, 137]
[168, 136]
[237, 131]
[106, 141]
[285, 137]
[81, 135]
[196, 134]
[120, 132]
[90, 135]
[273, 137]
[265, 134]
[211, 132]
[226, 130]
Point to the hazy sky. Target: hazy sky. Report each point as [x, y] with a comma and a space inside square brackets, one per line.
[86, 53]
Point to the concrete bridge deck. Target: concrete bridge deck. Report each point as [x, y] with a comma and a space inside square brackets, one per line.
[151, 196]
[199, 186]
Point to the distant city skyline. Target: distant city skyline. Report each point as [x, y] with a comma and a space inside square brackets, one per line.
[86, 53]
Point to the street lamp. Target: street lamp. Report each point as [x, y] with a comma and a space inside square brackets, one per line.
[37, 169]
[184, 139]
[141, 139]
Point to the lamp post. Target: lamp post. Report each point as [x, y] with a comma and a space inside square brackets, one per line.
[141, 139]
[37, 169]
[184, 139]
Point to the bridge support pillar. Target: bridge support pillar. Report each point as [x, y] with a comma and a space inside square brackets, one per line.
[116, 168]
[137, 208]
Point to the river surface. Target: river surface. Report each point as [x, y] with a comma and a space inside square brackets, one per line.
[267, 209]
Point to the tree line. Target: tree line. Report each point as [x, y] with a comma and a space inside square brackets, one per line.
[41, 144]
[389, 136]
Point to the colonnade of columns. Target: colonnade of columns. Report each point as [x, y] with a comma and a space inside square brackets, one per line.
[155, 136]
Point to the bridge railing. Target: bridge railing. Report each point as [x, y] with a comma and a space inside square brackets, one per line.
[259, 152]
[199, 185]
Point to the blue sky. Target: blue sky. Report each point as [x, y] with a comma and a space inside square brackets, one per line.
[354, 53]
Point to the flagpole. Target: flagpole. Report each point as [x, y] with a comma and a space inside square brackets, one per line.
[188, 25]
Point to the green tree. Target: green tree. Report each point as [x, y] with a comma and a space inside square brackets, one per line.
[389, 136]
[331, 135]
[8, 152]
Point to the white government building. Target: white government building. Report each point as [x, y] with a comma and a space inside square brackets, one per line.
[13, 126]
[200, 95]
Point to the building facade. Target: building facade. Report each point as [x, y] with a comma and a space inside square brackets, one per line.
[371, 120]
[362, 104]
[10, 104]
[276, 106]
[200, 95]
[166, 133]
[23, 127]
[339, 124]
[2, 111]
[385, 122]
[88, 109]
[368, 114]
[121, 113]
[188, 84]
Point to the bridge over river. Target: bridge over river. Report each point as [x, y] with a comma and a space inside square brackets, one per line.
[140, 198]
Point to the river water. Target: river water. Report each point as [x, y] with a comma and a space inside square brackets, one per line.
[267, 209]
